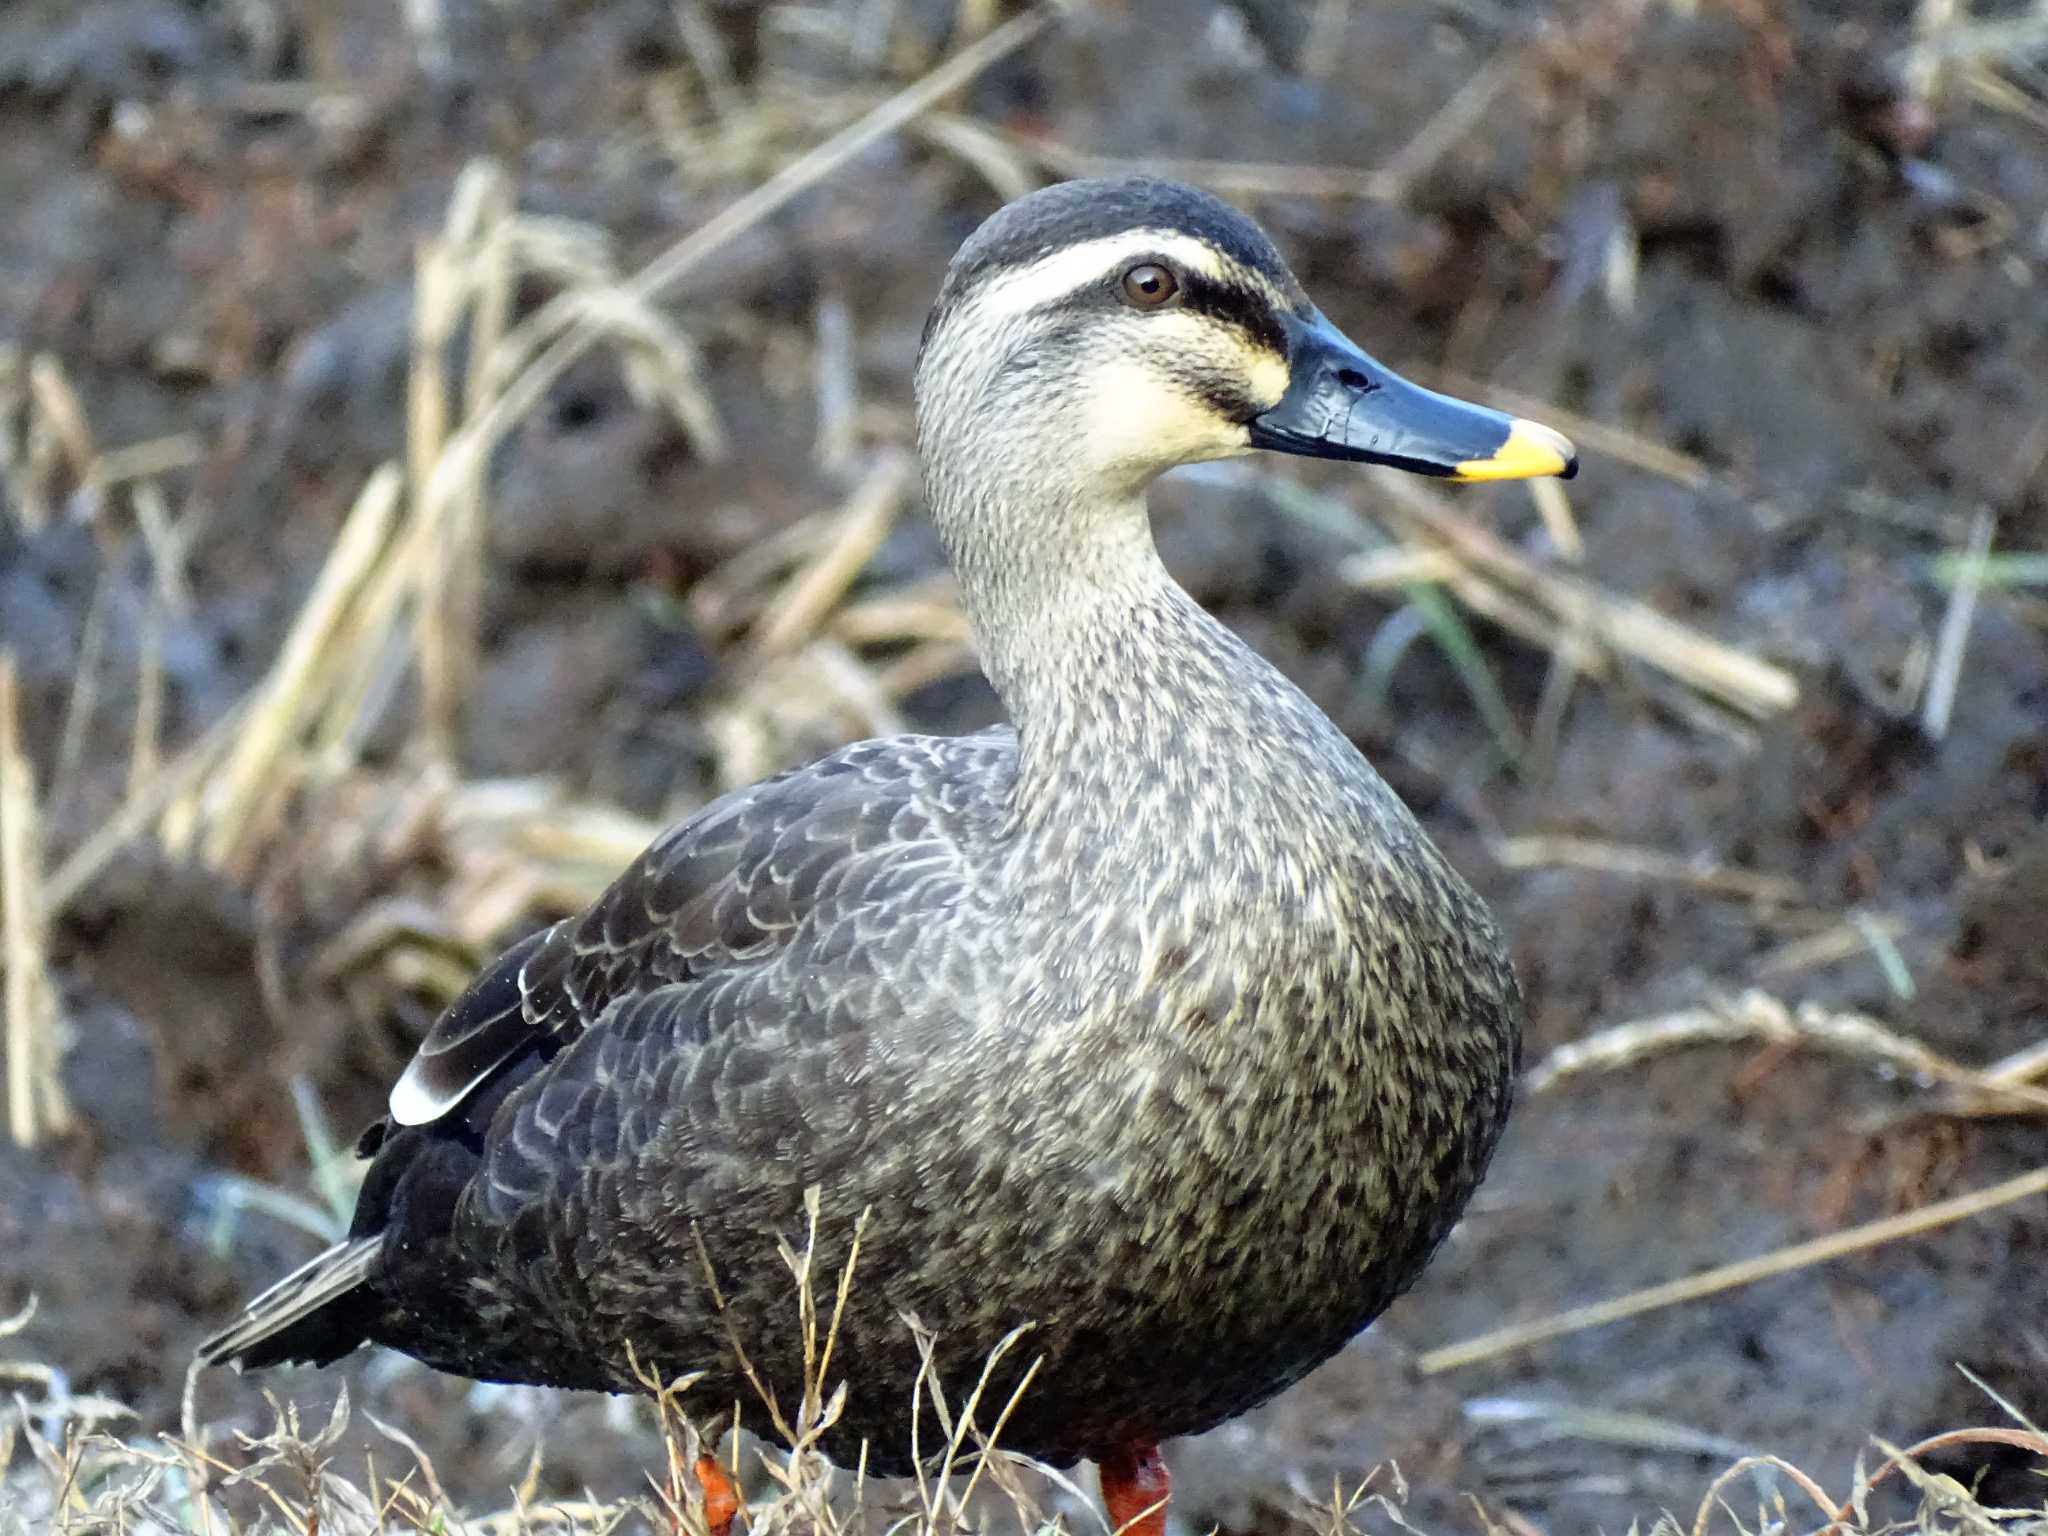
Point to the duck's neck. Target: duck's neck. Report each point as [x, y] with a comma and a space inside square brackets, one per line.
[1119, 684]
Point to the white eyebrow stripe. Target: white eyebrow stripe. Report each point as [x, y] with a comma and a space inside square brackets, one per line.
[1059, 273]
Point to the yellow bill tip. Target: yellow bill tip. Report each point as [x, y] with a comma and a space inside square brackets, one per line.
[1531, 449]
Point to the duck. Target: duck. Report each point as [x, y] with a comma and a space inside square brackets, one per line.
[1150, 1021]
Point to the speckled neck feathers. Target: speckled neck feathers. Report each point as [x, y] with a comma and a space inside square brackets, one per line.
[1044, 409]
[1105, 665]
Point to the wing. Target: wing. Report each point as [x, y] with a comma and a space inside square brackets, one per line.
[728, 888]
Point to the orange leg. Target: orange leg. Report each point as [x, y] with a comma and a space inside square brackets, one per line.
[1134, 1489]
[721, 1499]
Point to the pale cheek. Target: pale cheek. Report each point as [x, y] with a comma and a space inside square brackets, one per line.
[1268, 377]
[1136, 424]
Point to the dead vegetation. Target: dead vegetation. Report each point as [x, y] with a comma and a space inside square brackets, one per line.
[80, 1475]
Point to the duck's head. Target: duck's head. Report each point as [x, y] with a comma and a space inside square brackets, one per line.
[1114, 328]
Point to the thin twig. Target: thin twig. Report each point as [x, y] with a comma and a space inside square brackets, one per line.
[2021, 1066]
[1711, 1499]
[1590, 853]
[85, 682]
[814, 590]
[1757, 1016]
[1728, 1277]
[145, 745]
[1554, 506]
[60, 410]
[166, 539]
[143, 805]
[1449, 123]
[436, 310]
[289, 696]
[1853, 935]
[36, 1105]
[1946, 673]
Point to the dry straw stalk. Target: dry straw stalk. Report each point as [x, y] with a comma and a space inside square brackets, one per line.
[36, 1106]
[1728, 1277]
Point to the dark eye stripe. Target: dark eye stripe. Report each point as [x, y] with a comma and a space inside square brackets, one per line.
[1225, 399]
[1234, 304]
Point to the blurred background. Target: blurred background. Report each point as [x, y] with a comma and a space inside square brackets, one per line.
[442, 441]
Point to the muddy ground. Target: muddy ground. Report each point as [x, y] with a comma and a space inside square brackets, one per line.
[1747, 232]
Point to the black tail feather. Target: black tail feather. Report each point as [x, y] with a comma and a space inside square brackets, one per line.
[314, 1315]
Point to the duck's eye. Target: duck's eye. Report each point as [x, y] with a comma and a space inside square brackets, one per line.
[1149, 285]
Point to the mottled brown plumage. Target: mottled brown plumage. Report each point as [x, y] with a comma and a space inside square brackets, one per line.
[1153, 1020]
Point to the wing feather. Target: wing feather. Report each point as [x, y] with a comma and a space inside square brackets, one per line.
[726, 889]
[479, 1032]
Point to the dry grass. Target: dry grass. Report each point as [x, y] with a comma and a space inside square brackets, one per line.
[36, 1104]
[1757, 1018]
[1594, 629]
[1558, 851]
[79, 1474]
